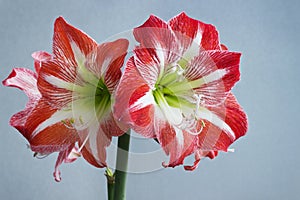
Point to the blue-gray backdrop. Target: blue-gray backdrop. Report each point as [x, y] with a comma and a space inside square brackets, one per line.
[265, 164]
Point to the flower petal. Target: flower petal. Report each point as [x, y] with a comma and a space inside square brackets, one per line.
[111, 127]
[110, 59]
[199, 154]
[65, 156]
[88, 156]
[55, 82]
[141, 110]
[153, 33]
[223, 47]
[132, 104]
[215, 135]
[175, 142]
[210, 37]
[39, 57]
[57, 76]
[193, 32]
[189, 34]
[46, 129]
[148, 64]
[215, 72]
[95, 142]
[25, 80]
[70, 43]
[158, 48]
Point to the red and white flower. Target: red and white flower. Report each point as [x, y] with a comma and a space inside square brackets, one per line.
[176, 88]
[69, 108]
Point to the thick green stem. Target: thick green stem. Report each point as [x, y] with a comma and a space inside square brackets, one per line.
[121, 167]
[110, 191]
[110, 183]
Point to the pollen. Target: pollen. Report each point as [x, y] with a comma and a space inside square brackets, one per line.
[69, 123]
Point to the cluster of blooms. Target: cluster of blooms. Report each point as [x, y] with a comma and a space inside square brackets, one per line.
[175, 88]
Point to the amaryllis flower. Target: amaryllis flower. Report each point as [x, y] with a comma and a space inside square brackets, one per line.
[69, 108]
[25, 122]
[177, 89]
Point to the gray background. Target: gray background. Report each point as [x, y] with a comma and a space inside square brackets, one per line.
[265, 164]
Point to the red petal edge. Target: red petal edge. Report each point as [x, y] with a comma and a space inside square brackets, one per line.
[215, 139]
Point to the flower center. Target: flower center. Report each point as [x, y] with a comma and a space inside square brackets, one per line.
[164, 88]
[102, 99]
[91, 100]
[174, 94]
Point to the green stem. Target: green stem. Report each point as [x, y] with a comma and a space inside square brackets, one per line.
[110, 183]
[121, 167]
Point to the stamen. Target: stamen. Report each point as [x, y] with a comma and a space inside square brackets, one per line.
[81, 120]
[190, 124]
[203, 123]
[37, 154]
[171, 69]
[230, 150]
[73, 155]
[180, 71]
[198, 105]
[40, 155]
[69, 123]
[198, 100]
[84, 142]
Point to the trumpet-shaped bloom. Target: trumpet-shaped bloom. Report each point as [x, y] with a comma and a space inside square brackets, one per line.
[69, 108]
[177, 88]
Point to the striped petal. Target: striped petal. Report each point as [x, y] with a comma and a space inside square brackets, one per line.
[111, 127]
[213, 74]
[109, 60]
[155, 33]
[177, 143]
[95, 142]
[39, 57]
[158, 48]
[133, 104]
[90, 158]
[54, 84]
[226, 124]
[194, 36]
[47, 129]
[189, 33]
[199, 154]
[25, 80]
[70, 154]
[50, 138]
[71, 48]
[148, 64]
[70, 44]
